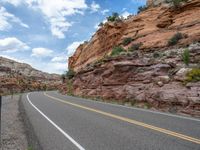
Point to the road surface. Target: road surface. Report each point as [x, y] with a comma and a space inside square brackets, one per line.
[69, 123]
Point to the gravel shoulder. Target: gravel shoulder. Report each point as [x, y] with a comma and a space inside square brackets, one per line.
[13, 130]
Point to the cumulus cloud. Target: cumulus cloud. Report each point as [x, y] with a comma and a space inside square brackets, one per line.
[41, 52]
[95, 7]
[12, 44]
[13, 2]
[125, 14]
[105, 11]
[7, 18]
[55, 12]
[59, 59]
[72, 47]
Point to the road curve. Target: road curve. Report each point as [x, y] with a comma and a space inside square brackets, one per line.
[69, 123]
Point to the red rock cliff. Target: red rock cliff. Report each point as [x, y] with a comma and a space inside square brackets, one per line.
[152, 27]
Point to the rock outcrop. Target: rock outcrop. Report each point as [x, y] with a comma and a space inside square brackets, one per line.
[155, 75]
[155, 79]
[152, 27]
[18, 77]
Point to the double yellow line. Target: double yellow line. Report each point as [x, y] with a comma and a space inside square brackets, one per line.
[168, 132]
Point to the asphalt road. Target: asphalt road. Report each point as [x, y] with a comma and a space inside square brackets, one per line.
[69, 123]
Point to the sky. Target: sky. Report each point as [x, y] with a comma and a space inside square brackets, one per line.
[45, 33]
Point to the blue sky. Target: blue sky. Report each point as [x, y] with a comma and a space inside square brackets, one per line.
[44, 33]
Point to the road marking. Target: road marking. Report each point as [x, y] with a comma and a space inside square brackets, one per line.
[165, 131]
[145, 110]
[56, 126]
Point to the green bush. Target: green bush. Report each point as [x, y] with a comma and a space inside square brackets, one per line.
[114, 17]
[193, 75]
[174, 40]
[127, 41]
[116, 51]
[186, 56]
[142, 8]
[135, 47]
[70, 74]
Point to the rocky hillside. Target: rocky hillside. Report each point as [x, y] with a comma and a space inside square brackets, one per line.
[20, 77]
[153, 28]
[151, 60]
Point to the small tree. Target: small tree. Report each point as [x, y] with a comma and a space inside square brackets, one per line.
[114, 17]
[186, 56]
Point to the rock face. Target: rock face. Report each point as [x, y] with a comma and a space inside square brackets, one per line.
[152, 76]
[152, 27]
[18, 77]
[143, 78]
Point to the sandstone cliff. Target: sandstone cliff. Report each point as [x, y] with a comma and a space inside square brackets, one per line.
[20, 77]
[157, 75]
[152, 27]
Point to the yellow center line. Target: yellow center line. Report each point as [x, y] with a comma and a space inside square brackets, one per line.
[165, 131]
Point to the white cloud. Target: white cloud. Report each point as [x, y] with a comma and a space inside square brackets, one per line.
[95, 7]
[41, 52]
[62, 58]
[125, 14]
[7, 18]
[12, 44]
[56, 67]
[96, 26]
[55, 12]
[105, 11]
[72, 48]
[13, 2]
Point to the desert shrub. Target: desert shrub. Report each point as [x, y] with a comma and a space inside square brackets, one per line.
[193, 75]
[70, 74]
[100, 24]
[114, 17]
[135, 47]
[174, 40]
[186, 56]
[157, 54]
[142, 8]
[63, 77]
[116, 51]
[69, 87]
[127, 41]
[176, 3]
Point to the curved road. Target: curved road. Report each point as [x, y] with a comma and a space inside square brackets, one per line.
[69, 123]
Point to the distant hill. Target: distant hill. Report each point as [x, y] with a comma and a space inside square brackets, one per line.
[16, 77]
[8, 65]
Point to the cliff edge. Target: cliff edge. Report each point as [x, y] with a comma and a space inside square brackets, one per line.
[152, 27]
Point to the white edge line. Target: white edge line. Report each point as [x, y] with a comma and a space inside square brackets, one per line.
[151, 111]
[56, 126]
